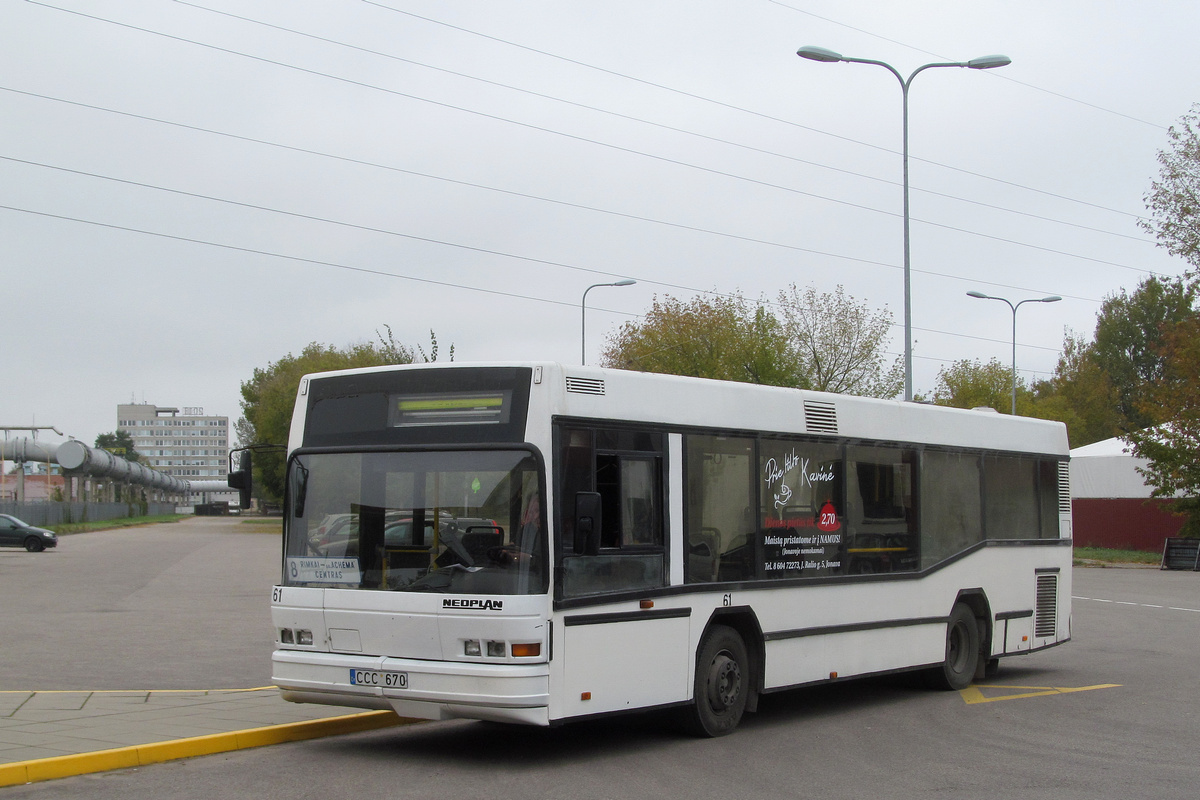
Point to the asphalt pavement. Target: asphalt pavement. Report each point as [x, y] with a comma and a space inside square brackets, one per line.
[133, 646]
[54, 734]
[182, 608]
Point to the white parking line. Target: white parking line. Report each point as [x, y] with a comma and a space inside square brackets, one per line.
[1139, 605]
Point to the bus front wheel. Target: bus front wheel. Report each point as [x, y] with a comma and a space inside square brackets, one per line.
[962, 651]
[722, 683]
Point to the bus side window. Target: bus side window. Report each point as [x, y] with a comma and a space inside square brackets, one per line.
[951, 509]
[719, 498]
[612, 520]
[882, 521]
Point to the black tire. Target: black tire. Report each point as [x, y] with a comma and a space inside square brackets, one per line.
[962, 651]
[34, 545]
[722, 683]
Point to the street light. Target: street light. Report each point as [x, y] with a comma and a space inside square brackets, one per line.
[583, 315]
[1051, 299]
[984, 62]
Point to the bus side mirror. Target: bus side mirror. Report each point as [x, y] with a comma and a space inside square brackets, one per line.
[242, 479]
[587, 523]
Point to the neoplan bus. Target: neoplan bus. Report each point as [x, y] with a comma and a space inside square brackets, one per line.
[537, 543]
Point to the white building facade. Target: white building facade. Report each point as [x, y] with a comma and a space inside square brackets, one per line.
[184, 443]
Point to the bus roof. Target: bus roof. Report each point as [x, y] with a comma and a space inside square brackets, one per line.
[678, 401]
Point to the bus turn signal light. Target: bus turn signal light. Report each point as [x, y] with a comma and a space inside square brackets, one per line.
[527, 650]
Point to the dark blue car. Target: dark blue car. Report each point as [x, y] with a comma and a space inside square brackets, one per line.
[15, 533]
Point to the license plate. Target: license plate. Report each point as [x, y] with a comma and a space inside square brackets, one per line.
[377, 677]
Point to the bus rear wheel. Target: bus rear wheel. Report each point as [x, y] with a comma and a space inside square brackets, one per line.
[962, 651]
[722, 683]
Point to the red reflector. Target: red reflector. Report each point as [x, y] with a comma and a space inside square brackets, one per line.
[585, 696]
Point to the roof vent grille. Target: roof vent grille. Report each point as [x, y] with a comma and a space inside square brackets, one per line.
[593, 386]
[820, 417]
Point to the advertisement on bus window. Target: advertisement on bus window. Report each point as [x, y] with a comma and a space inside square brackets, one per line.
[800, 517]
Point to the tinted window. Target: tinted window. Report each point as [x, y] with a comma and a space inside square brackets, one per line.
[1010, 502]
[625, 469]
[951, 515]
[881, 506]
[721, 524]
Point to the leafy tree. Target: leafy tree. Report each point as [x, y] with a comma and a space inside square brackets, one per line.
[1129, 340]
[974, 384]
[819, 341]
[118, 443]
[270, 395]
[838, 343]
[1174, 199]
[1173, 447]
[1079, 394]
[719, 337]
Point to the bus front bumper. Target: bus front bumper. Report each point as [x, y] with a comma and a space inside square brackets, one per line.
[431, 689]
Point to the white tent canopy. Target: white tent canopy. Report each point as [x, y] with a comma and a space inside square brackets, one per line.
[1107, 469]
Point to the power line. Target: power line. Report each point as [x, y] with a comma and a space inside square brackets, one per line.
[301, 259]
[514, 193]
[741, 109]
[658, 125]
[709, 170]
[388, 232]
[946, 58]
[365, 270]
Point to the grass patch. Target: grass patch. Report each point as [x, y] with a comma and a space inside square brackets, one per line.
[1087, 556]
[81, 527]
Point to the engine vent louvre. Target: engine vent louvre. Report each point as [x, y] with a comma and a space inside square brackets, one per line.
[593, 386]
[820, 417]
[1064, 487]
[1045, 618]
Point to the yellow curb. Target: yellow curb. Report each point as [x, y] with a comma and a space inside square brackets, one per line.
[46, 769]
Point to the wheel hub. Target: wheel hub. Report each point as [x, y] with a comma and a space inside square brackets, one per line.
[724, 682]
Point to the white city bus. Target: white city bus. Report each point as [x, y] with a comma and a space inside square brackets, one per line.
[538, 543]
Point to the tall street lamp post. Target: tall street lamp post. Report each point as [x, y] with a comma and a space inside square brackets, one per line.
[984, 62]
[583, 315]
[1051, 299]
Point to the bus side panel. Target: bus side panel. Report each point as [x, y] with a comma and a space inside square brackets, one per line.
[620, 666]
[817, 658]
[1014, 634]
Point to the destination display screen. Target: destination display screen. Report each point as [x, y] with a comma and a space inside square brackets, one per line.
[459, 408]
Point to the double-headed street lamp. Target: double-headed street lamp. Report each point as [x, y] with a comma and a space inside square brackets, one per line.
[1051, 299]
[984, 62]
[583, 315]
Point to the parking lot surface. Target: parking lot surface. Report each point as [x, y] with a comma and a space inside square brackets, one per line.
[144, 645]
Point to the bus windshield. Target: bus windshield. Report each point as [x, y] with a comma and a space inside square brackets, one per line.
[464, 522]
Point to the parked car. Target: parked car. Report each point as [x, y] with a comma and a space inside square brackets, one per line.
[15, 533]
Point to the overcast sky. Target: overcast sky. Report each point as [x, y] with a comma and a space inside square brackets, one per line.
[186, 195]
